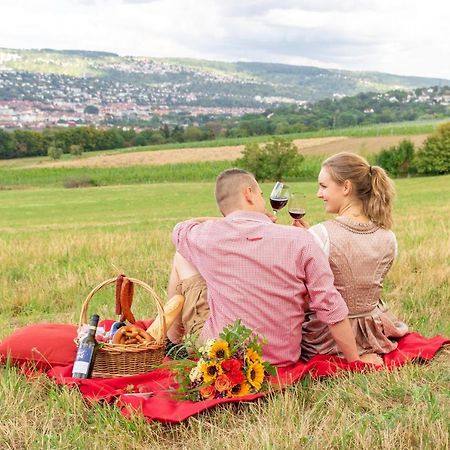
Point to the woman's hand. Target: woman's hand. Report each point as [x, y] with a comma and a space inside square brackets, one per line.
[300, 223]
[372, 358]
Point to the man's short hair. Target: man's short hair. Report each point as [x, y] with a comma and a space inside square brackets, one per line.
[228, 187]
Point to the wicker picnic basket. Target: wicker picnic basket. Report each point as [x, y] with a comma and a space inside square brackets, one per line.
[119, 360]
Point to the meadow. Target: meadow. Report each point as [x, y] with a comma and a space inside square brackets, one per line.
[56, 244]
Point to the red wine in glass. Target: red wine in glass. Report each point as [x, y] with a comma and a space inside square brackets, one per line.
[297, 213]
[279, 196]
[296, 207]
[278, 203]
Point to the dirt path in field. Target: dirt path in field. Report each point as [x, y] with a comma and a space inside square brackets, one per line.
[314, 146]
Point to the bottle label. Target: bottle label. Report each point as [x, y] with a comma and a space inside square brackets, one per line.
[83, 360]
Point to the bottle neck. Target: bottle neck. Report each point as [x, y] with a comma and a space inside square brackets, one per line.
[93, 323]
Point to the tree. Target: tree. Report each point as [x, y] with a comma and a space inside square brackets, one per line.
[274, 160]
[148, 137]
[76, 150]
[91, 109]
[54, 152]
[195, 134]
[434, 156]
[177, 134]
[215, 129]
[165, 131]
[397, 160]
[7, 145]
[29, 143]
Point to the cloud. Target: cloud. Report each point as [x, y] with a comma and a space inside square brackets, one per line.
[139, 1]
[405, 37]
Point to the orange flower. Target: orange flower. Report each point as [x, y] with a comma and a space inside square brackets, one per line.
[222, 383]
[208, 391]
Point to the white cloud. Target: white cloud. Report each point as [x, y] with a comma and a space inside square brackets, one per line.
[398, 36]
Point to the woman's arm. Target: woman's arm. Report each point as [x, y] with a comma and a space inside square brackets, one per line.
[321, 236]
[345, 339]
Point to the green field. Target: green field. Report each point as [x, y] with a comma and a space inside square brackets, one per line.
[20, 178]
[56, 244]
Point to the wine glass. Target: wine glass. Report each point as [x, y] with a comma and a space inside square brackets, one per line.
[279, 196]
[297, 205]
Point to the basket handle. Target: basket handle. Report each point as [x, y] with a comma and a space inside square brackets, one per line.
[84, 308]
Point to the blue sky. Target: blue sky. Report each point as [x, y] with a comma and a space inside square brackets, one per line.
[396, 36]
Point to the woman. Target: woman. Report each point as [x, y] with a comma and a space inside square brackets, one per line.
[361, 249]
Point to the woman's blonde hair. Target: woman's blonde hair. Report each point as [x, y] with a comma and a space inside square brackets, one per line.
[370, 184]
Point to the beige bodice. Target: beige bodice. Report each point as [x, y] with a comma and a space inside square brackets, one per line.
[360, 256]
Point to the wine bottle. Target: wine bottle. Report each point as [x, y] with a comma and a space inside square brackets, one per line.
[84, 361]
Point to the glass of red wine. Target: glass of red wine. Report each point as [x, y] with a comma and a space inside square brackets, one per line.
[279, 196]
[297, 205]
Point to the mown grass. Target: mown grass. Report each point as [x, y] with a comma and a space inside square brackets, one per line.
[56, 244]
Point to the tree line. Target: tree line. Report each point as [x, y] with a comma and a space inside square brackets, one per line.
[362, 109]
[25, 143]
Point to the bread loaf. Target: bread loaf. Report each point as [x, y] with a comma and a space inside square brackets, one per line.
[172, 309]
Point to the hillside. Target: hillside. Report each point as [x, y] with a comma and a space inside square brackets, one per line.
[203, 83]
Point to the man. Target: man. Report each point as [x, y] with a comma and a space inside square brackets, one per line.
[255, 271]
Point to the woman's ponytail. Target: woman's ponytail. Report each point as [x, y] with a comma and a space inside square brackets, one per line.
[378, 206]
[370, 184]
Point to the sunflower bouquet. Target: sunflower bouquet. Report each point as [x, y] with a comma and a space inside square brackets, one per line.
[230, 366]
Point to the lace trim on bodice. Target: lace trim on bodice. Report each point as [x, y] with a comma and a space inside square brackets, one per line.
[356, 227]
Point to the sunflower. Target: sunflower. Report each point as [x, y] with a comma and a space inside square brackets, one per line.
[238, 390]
[219, 350]
[255, 375]
[252, 356]
[210, 371]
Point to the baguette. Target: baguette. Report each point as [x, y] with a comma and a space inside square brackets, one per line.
[172, 309]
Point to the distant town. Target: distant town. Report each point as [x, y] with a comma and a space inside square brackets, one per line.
[48, 100]
[47, 89]
[41, 101]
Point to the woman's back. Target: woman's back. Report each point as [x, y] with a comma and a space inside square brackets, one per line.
[360, 249]
[360, 256]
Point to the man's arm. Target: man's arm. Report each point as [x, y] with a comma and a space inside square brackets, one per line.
[345, 339]
[326, 301]
[188, 236]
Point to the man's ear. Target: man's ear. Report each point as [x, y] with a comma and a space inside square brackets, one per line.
[248, 195]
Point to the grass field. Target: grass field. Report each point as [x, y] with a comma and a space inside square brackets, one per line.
[56, 244]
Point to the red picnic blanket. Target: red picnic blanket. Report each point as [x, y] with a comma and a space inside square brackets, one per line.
[149, 394]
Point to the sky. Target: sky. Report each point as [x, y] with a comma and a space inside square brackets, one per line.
[405, 37]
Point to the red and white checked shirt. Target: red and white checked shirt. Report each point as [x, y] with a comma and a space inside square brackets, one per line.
[260, 272]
